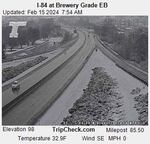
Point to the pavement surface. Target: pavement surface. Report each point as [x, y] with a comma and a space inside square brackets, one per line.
[40, 98]
[126, 83]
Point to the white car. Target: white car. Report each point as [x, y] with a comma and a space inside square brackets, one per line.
[15, 86]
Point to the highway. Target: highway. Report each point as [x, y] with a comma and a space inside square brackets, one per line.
[39, 90]
[126, 83]
[39, 74]
[63, 48]
[122, 63]
[44, 86]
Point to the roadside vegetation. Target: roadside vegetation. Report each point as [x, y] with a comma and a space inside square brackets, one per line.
[35, 29]
[141, 105]
[11, 72]
[100, 103]
[127, 35]
[128, 38]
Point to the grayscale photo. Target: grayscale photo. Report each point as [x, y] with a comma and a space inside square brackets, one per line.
[75, 70]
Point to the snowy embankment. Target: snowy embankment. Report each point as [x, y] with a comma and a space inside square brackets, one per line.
[126, 111]
[13, 71]
[141, 105]
[17, 62]
[100, 103]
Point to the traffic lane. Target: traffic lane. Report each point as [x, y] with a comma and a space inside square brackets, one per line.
[40, 92]
[24, 75]
[41, 98]
[55, 114]
[38, 75]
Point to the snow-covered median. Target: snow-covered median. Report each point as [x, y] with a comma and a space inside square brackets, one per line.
[11, 72]
[100, 103]
[125, 84]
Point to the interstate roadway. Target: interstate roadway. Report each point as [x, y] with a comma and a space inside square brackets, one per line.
[42, 88]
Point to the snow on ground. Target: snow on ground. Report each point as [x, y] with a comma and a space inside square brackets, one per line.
[55, 39]
[37, 42]
[17, 62]
[40, 41]
[17, 49]
[126, 83]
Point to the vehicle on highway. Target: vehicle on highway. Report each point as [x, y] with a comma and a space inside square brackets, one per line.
[15, 86]
[75, 31]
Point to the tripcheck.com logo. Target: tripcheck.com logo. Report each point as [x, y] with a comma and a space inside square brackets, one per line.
[72, 129]
[15, 26]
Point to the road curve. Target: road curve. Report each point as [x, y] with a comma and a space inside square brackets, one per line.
[42, 96]
[122, 63]
[22, 76]
[31, 80]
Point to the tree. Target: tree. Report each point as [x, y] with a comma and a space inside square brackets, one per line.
[3, 51]
[33, 34]
[33, 31]
[46, 26]
[66, 37]
[23, 36]
[13, 42]
[108, 30]
[141, 45]
[5, 34]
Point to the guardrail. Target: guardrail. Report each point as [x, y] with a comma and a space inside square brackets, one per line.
[6, 107]
[8, 83]
[54, 98]
[122, 63]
